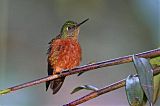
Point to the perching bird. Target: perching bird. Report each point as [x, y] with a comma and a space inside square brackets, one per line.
[64, 53]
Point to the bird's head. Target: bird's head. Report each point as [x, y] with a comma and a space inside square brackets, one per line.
[70, 29]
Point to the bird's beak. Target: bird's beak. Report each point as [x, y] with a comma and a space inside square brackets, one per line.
[77, 26]
[82, 22]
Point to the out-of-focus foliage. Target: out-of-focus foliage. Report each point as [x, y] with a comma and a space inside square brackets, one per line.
[156, 63]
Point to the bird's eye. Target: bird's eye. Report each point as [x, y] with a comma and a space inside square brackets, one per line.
[68, 28]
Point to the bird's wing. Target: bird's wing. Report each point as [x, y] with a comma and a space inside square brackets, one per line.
[53, 53]
[50, 46]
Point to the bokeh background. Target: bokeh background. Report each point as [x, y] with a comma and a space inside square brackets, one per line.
[116, 28]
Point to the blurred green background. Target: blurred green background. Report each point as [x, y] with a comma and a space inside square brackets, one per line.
[116, 28]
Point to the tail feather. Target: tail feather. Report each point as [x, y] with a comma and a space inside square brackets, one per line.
[47, 85]
[56, 84]
[50, 72]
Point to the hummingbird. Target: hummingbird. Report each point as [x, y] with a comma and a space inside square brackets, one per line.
[64, 53]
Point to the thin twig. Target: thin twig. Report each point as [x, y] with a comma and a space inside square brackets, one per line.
[104, 90]
[84, 68]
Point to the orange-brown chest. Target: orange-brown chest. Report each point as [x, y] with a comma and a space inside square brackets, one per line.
[65, 53]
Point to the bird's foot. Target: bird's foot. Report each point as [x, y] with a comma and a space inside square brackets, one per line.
[70, 70]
